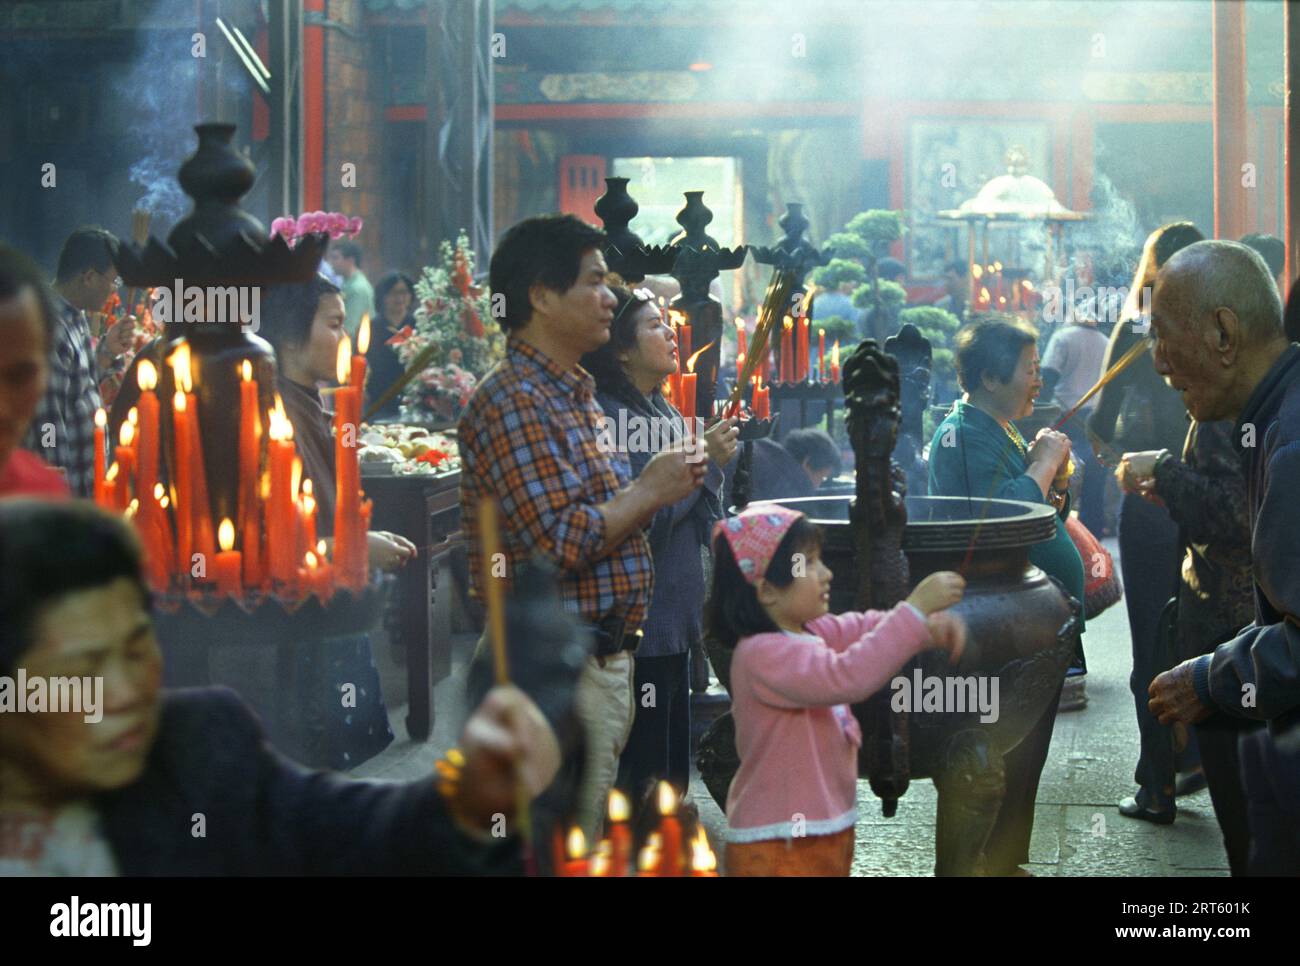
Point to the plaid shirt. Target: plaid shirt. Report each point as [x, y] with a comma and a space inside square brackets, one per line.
[528, 437]
[65, 418]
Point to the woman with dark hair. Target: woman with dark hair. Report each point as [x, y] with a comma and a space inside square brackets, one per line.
[1138, 412]
[394, 309]
[111, 784]
[629, 370]
[304, 323]
[978, 453]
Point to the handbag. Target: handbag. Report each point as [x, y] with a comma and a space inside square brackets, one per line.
[1101, 585]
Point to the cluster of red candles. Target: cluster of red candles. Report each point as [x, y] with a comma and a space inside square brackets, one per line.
[275, 525]
[664, 854]
[680, 386]
[796, 350]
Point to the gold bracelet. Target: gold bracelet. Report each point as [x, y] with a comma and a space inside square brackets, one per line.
[449, 768]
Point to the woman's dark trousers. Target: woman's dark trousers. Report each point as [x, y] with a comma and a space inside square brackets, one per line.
[1148, 553]
[660, 744]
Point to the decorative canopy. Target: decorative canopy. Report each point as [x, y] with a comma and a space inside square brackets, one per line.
[1015, 196]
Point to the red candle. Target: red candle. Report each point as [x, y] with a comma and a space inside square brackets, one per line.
[687, 407]
[835, 362]
[279, 519]
[124, 455]
[163, 524]
[740, 344]
[101, 421]
[349, 537]
[204, 535]
[670, 829]
[575, 862]
[805, 347]
[620, 835]
[787, 350]
[250, 432]
[229, 564]
[358, 380]
[184, 486]
[148, 439]
[685, 340]
[306, 519]
[821, 355]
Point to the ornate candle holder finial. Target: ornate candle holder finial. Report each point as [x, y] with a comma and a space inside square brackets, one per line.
[793, 252]
[218, 243]
[626, 253]
[699, 260]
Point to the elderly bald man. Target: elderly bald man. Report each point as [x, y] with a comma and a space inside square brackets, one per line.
[1217, 323]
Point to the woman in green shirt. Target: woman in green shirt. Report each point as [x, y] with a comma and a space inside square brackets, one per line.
[978, 452]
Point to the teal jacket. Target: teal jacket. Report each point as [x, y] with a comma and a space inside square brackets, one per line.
[982, 462]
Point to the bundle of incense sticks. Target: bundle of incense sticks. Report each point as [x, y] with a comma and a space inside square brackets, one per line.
[1124, 361]
[775, 304]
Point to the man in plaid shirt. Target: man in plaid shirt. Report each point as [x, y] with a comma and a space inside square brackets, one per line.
[63, 430]
[528, 439]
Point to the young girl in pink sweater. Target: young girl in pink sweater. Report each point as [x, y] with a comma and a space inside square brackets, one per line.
[795, 671]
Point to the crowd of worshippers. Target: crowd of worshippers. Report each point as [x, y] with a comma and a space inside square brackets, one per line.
[649, 560]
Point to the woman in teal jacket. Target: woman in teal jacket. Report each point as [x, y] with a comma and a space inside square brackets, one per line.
[978, 452]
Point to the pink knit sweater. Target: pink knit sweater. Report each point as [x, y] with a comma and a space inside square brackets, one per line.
[796, 737]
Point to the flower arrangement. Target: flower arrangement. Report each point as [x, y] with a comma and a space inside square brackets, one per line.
[450, 343]
[334, 223]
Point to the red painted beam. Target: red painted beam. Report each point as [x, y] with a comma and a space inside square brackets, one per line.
[313, 109]
[709, 109]
[1228, 41]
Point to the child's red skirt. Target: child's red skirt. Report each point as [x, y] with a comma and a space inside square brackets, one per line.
[830, 855]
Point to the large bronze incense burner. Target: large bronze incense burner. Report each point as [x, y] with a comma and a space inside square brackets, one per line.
[952, 724]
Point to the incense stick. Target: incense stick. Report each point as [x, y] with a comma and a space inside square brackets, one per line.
[490, 544]
[490, 540]
[1126, 360]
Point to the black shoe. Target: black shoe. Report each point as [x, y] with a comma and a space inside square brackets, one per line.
[1130, 808]
[1189, 783]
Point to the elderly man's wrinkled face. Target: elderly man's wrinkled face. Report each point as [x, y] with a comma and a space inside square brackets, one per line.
[1186, 351]
[100, 632]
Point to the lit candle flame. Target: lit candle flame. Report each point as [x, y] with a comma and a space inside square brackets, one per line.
[127, 433]
[310, 558]
[280, 428]
[343, 365]
[647, 859]
[690, 363]
[246, 371]
[181, 367]
[295, 476]
[133, 416]
[146, 376]
[977, 271]
[984, 294]
[363, 335]
[226, 535]
[997, 266]
[667, 796]
[159, 493]
[576, 844]
[619, 809]
[320, 549]
[307, 488]
[178, 401]
[101, 418]
[1027, 285]
[835, 353]
[807, 301]
[111, 475]
[788, 323]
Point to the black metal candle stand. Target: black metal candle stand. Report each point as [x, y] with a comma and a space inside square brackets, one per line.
[256, 646]
[830, 396]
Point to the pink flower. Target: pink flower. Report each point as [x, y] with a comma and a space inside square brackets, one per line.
[283, 226]
[354, 225]
[337, 224]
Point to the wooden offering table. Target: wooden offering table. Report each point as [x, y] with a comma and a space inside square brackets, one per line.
[426, 510]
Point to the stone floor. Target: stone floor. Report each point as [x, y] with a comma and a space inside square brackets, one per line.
[1077, 831]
